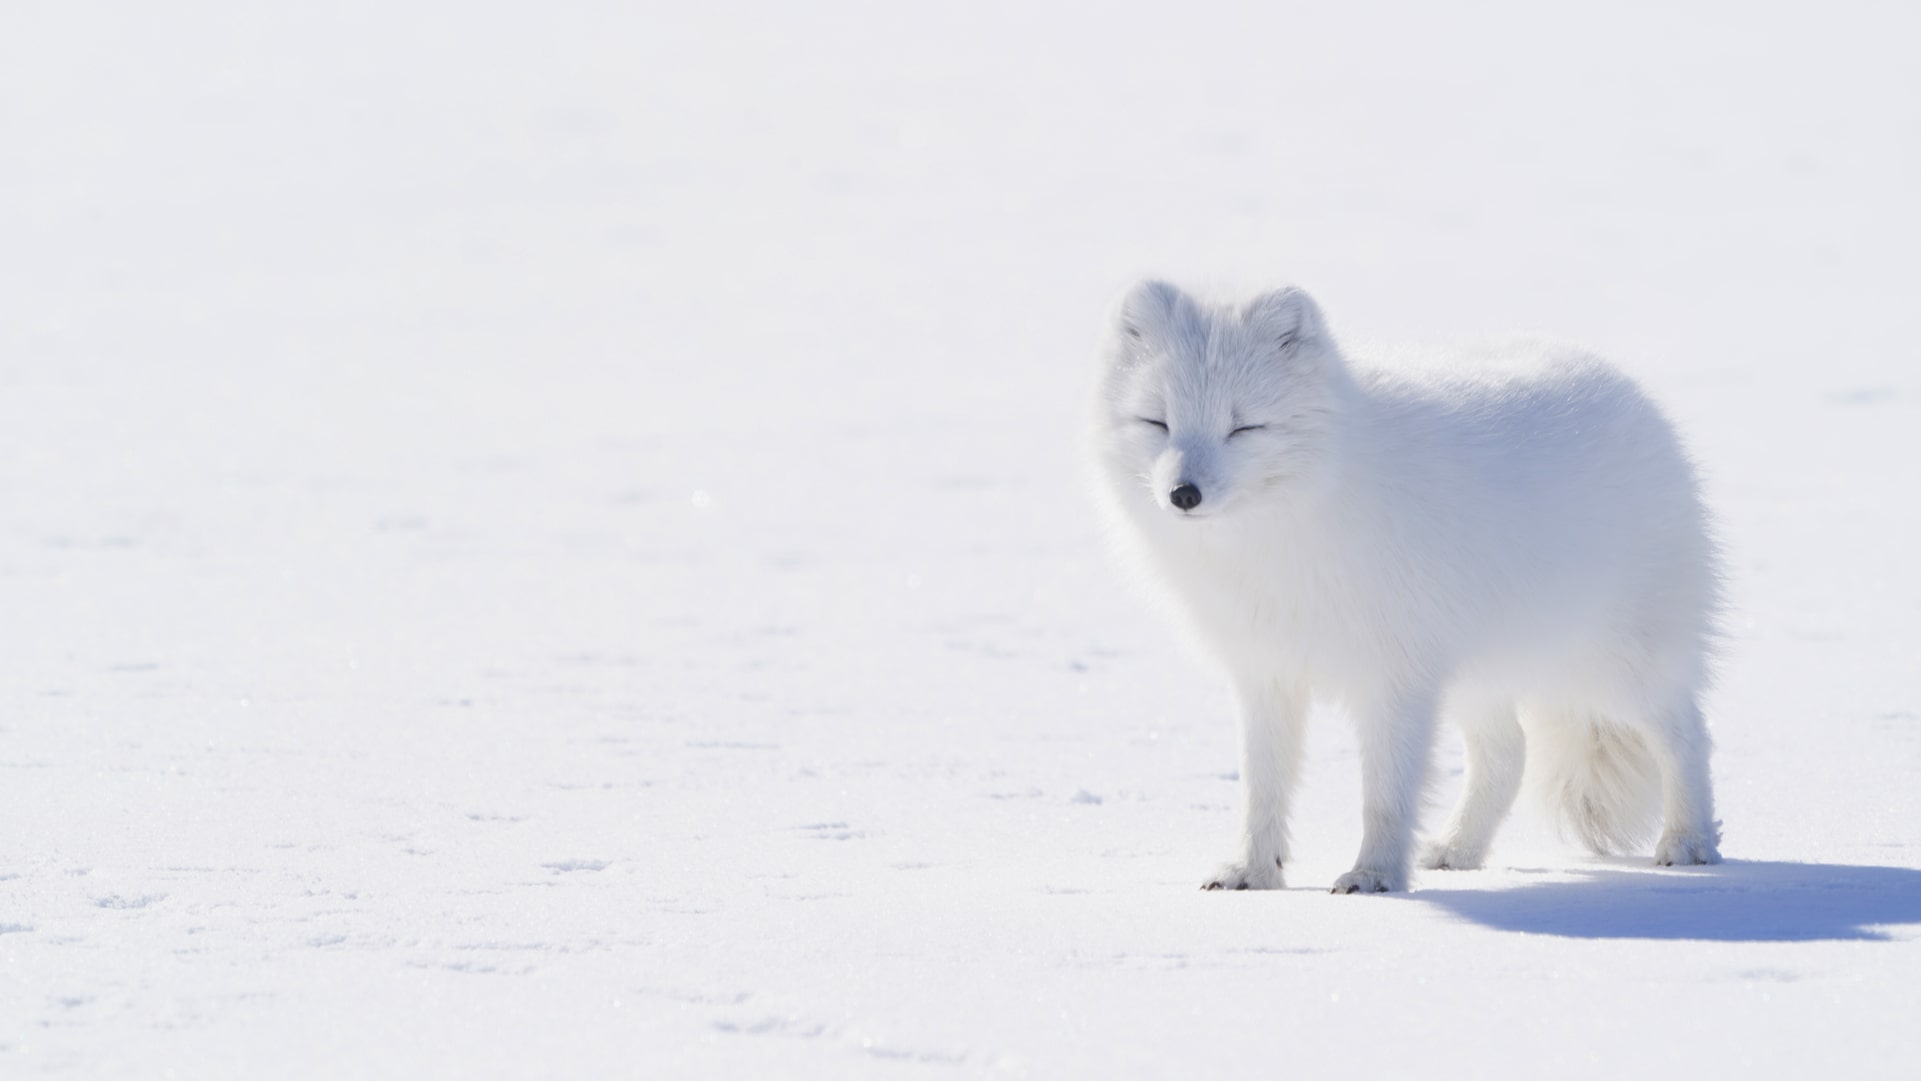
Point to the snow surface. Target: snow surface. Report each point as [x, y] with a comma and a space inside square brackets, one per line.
[550, 540]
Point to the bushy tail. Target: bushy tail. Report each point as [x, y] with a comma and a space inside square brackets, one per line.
[1599, 776]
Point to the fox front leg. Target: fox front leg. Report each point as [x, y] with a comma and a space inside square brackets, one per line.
[1396, 742]
[1272, 719]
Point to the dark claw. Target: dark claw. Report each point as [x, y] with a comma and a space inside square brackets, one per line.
[1212, 886]
[1242, 886]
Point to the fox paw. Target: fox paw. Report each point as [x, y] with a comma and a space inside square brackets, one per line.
[1261, 875]
[1360, 881]
[1452, 856]
[1686, 850]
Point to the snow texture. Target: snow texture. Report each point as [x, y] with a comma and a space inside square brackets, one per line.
[551, 540]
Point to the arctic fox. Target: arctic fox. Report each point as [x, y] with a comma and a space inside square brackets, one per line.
[1512, 538]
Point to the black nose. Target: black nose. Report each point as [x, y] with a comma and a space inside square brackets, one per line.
[1186, 497]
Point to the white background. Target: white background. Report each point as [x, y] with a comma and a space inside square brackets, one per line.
[552, 541]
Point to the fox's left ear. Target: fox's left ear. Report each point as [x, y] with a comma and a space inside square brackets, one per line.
[1287, 317]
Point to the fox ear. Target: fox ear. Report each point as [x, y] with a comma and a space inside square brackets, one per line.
[1149, 305]
[1286, 317]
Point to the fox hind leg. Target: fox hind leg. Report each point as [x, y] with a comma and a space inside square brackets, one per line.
[1496, 753]
[1679, 742]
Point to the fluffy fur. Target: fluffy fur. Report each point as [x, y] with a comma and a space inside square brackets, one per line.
[1508, 536]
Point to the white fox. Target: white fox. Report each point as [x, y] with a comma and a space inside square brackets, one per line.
[1512, 538]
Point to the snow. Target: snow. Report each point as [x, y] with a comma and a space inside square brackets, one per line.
[553, 542]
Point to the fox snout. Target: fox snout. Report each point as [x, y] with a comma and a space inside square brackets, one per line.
[1181, 476]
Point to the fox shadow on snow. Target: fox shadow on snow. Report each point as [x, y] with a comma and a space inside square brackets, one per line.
[1737, 901]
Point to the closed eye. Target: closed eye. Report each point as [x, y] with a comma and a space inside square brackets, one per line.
[1245, 428]
[1161, 424]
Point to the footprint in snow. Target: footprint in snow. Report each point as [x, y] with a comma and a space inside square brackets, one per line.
[115, 900]
[830, 831]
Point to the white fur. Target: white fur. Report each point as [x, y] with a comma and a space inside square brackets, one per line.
[1510, 535]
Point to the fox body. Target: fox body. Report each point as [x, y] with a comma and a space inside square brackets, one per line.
[1510, 537]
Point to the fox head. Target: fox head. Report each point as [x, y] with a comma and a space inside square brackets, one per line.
[1205, 407]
